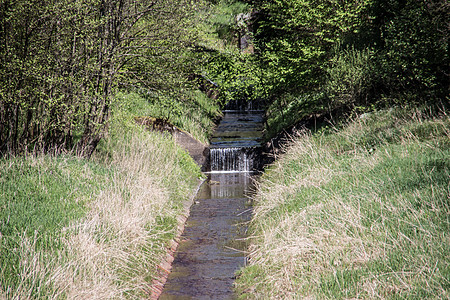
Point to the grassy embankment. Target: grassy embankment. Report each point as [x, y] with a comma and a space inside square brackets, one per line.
[360, 212]
[194, 114]
[77, 229]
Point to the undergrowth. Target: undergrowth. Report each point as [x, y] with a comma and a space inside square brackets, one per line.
[360, 212]
[287, 110]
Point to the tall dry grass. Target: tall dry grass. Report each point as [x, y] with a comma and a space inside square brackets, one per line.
[361, 213]
[112, 252]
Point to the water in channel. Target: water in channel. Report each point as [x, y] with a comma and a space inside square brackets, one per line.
[212, 247]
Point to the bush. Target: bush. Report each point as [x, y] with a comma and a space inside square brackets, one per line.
[351, 77]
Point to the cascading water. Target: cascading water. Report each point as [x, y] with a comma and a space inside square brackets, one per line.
[235, 141]
[231, 160]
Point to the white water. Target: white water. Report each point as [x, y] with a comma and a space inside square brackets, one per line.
[234, 142]
[232, 159]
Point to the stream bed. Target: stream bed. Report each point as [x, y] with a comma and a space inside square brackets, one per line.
[213, 243]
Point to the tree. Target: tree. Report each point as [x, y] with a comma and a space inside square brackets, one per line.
[413, 48]
[353, 54]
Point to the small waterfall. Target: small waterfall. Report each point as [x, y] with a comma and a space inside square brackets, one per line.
[236, 142]
[233, 159]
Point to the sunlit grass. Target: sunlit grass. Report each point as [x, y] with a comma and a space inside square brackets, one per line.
[77, 229]
[195, 114]
[39, 196]
[360, 213]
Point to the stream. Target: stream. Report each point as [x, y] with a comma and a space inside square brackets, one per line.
[213, 243]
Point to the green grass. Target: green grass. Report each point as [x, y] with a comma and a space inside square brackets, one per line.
[361, 212]
[39, 196]
[194, 114]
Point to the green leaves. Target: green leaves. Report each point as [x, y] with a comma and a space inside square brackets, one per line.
[236, 75]
[353, 54]
[351, 76]
[61, 63]
[416, 48]
[294, 38]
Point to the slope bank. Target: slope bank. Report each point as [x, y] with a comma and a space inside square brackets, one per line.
[359, 212]
[83, 229]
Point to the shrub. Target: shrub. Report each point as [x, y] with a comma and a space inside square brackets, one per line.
[351, 77]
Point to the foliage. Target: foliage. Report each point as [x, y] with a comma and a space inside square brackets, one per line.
[236, 76]
[287, 110]
[62, 62]
[293, 39]
[352, 54]
[219, 29]
[194, 113]
[414, 48]
[360, 212]
[351, 77]
[350, 81]
[231, 71]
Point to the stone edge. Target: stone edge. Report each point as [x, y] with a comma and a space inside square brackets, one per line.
[164, 267]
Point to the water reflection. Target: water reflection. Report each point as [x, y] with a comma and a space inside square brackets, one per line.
[212, 247]
[229, 185]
